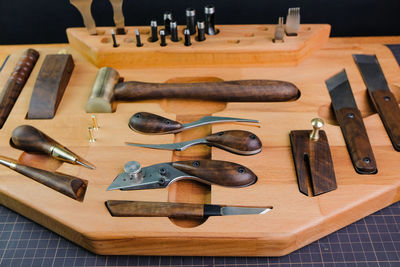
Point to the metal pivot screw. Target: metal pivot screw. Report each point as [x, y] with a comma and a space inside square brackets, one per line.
[91, 136]
[317, 124]
[94, 122]
[134, 170]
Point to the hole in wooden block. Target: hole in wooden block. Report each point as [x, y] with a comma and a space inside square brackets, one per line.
[263, 28]
[105, 40]
[129, 40]
[249, 35]
[144, 31]
[190, 191]
[309, 29]
[364, 104]
[233, 41]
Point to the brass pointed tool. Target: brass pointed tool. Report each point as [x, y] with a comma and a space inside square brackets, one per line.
[84, 7]
[68, 185]
[313, 160]
[235, 141]
[119, 20]
[126, 208]
[149, 123]
[30, 139]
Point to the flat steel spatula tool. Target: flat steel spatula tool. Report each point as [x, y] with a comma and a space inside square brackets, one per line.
[126, 208]
[235, 141]
[382, 98]
[351, 123]
[84, 7]
[149, 123]
[161, 175]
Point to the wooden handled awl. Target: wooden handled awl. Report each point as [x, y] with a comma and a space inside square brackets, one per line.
[70, 186]
[32, 140]
[125, 208]
[106, 89]
[216, 172]
[16, 82]
[149, 123]
[235, 141]
[313, 160]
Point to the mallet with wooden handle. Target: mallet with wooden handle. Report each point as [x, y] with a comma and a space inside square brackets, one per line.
[107, 89]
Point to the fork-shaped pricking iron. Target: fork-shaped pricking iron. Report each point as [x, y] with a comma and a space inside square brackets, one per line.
[293, 21]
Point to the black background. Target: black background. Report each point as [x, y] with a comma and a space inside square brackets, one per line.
[45, 21]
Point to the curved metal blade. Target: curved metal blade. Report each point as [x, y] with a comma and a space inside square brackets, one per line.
[213, 119]
[175, 146]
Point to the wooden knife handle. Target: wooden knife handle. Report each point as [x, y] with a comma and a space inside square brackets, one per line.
[357, 141]
[30, 139]
[125, 208]
[229, 91]
[70, 186]
[217, 172]
[388, 109]
[16, 82]
[151, 123]
[236, 141]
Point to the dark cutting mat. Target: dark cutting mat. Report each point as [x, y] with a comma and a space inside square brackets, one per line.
[372, 241]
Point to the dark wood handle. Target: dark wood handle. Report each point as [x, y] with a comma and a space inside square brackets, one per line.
[30, 139]
[218, 172]
[68, 185]
[357, 141]
[236, 141]
[388, 109]
[151, 123]
[125, 208]
[16, 82]
[230, 91]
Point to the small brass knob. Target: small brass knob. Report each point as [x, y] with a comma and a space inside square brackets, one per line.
[317, 124]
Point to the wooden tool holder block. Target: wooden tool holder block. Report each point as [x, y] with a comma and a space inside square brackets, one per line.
[234, 45]
[295, 221]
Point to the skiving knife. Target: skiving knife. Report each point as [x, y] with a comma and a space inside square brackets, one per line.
[161, 175]
[235, 141]
[351, 123]
[383, 99]
[149, 123]
[126, 208]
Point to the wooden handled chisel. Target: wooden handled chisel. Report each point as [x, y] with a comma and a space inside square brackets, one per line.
[351, 123]
[382, 98]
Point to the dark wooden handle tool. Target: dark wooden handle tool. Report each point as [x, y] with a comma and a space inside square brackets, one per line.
[235, 141]
[125, 208]
[68, 185]
[351, 123]
[149, 123]
[16, 83]
[382, 98]
[229, 91]
[50, 85]
[32, 140]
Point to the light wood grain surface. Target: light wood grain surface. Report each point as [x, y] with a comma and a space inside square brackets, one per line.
[295, 221]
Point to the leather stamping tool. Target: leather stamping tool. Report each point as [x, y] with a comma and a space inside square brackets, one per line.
[313, 160]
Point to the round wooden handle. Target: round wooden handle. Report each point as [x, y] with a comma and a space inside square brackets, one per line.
[236, 141]
[30, 139]
[149, 123]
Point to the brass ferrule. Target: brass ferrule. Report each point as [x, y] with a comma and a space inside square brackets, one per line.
[63, 154]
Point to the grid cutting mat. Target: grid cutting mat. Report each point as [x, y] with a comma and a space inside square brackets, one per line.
[372, 241]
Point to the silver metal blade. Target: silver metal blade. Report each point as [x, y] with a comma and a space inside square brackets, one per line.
[340, 91]
[225, 211]
[371, 72]
[212, 119]
[176, 146]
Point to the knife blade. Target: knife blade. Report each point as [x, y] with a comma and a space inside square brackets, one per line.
[149, 123]
[351, 123]
[382, 98]
[161, 175]
[235, 141]
[126, 208]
